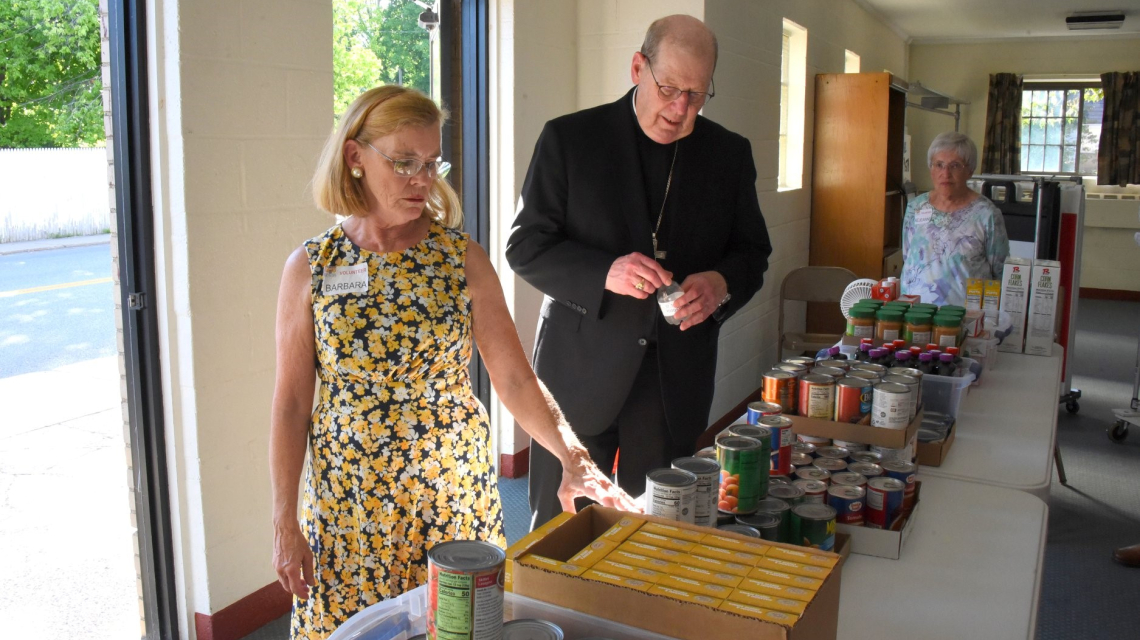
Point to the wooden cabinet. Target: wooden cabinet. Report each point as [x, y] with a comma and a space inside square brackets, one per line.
[857, 168]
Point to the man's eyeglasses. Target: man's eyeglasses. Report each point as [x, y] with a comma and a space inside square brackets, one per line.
[952, 167]
[408, 167]
[670, 94]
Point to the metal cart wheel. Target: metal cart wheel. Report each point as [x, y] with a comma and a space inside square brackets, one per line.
[1118, 432]
[1072, 406]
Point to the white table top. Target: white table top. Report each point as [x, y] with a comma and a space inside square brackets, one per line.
[1007, 425]
[971, 568]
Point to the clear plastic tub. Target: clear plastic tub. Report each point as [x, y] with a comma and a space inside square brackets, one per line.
[943, 394]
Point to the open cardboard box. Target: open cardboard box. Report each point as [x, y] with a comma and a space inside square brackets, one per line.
[858, 432]
[931, 454]
[674, 618]
[883, 543]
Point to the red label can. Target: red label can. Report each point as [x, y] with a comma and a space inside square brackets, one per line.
[884, 501]
[852, 399]
[782, 441]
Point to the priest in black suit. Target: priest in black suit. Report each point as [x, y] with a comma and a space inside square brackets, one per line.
[620, 200]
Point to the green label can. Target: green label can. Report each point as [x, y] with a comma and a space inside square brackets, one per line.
[814, 525]
[744, 466]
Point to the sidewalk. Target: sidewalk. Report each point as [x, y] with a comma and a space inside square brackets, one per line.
[8, 248]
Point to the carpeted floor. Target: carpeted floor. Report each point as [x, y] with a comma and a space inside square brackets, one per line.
[1084, 594]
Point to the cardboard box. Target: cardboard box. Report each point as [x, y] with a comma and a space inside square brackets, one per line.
[657, 613]
[883, 543]
[1042, 319]
[860, 432]
[1015, 300]
[931, 454]
[975, 289]
[991, 298]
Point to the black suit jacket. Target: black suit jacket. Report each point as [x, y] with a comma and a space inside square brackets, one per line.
[582, 206]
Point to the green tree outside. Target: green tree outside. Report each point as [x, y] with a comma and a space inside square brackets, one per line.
[50, 82]
[377, 42]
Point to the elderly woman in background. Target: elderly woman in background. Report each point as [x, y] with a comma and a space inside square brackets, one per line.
[383, 310]
[952, 233]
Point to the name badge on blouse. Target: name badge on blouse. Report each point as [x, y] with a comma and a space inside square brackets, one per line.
[351, 278]
[922, 216]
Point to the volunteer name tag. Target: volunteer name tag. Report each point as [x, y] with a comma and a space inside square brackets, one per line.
[922, 216]
[346, 279]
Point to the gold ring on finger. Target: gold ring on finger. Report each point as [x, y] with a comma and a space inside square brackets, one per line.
[640, 286]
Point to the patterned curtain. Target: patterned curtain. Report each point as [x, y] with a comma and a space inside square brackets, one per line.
[1001, 149]
[1118, 161]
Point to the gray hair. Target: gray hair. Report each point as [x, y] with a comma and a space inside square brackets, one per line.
[680, 29]
[959, 143]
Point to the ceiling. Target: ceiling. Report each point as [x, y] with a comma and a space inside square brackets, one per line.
[942, 20]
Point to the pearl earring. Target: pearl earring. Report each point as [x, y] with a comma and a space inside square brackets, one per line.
[357, 173]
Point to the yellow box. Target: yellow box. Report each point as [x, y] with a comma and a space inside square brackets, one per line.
[779, 617]
[778, 590]
[991, 297]
[621, 581]
[621, 530]
[725, 542]
[652, 551]
[638, 560]
[509, 576]
[590, 556]
[794, 568]
[695, 586]
[764, 601]
[975, 289]
[524, 543]
[802, 557]
[704, 575]
[686, 596]
[550, 564]
[669, 531]
[728, 555]
[629, 571]
[644, 537]
[720, 566]
[779, 577]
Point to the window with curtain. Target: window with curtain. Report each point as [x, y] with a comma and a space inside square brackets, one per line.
[1060, 128]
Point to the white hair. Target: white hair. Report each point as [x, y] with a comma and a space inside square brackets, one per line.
[959, 143]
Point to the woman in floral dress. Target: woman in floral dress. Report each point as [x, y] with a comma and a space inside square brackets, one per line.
[383, 310]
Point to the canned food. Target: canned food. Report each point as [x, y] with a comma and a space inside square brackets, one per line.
[798, 370]
[801, 460]
[865, 456]
[803, 447]
[891, 406]
[780, 509]
[816, 396]
[757, 410]
[863, 374]
[904, 471]
[465, 590]
[884, 501]
[671, 494]
[742, 529]
[813, 473]
[708, 488]
[831, 464]
[766, 524]
[834, 373]
[743, 472]
[912, 385]
[847, 502]
[804, 360]
[852, 399]
[707, 452]
[816, 441]
[865, 469]
[887, 453]
[870, 366]
[782, 440]
[751, 431]
[531, 629]
[909, 371]
[849, 479]
[814, 490]
[845, 365]
[791, 493]
[779, 387]
[850, 445]
[838, 453]
[814, 525]
[773, 480]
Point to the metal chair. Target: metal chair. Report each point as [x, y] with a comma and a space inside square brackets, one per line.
[810, 284]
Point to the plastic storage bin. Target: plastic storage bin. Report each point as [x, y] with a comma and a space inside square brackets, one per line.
[943, 394]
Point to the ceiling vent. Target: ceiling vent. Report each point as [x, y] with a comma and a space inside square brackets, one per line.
[1095, 20]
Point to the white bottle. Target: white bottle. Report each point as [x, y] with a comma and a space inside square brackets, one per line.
[667, 297]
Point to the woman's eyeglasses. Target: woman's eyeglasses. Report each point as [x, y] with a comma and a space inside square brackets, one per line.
[408, 167]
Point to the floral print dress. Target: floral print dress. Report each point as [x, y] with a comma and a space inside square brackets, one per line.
[941, 250]
[399, 455]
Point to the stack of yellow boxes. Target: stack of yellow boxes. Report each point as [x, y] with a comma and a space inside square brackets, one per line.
[754, 579]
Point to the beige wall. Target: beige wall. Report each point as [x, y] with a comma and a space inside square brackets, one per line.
[241, 105]
[1110, 258]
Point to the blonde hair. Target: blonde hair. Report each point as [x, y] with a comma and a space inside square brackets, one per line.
[377, 113]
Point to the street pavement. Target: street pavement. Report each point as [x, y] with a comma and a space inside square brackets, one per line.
[66, 549]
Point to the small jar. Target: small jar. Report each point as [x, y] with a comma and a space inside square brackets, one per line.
[946, 330]
[918, 327]
[888, 325]
[862, 322]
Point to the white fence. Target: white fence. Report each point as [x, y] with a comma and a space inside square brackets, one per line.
[47, 193]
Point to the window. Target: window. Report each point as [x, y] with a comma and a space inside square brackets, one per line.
[793, 78]
[850, 62]
[1060, 128]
